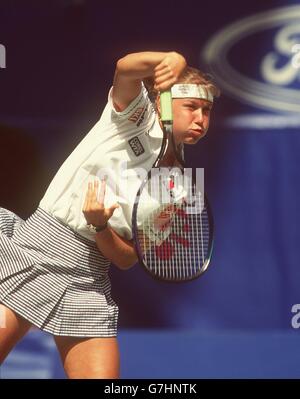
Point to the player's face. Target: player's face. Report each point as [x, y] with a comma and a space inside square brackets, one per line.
[191, 118]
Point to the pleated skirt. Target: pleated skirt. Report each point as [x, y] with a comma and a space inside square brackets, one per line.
[55, 278]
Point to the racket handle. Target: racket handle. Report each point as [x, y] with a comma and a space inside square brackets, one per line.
[166, 107]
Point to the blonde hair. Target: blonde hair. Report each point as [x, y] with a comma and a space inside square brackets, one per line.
[189, 75]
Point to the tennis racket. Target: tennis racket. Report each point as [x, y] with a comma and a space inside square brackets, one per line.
[172, 222]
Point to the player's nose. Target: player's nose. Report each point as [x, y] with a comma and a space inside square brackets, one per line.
[199, 117]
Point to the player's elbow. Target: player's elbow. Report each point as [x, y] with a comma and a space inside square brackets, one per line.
[126, 262]
[123, 66]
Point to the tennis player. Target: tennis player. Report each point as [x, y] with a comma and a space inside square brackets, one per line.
[54, 266]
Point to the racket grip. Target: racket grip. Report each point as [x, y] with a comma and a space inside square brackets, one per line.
[166, 107]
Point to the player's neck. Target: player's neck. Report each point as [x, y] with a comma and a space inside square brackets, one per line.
[169, 159]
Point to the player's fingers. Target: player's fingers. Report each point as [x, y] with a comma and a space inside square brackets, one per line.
[102, 191]
[112, 209]
[87, 201]
[95, 190]
[163, 65]
[165, 84]
[84, 207]
[162, 72]
[167, 75]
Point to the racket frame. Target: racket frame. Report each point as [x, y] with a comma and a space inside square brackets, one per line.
[167, 123]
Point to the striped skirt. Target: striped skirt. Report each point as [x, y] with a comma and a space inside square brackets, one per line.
[55, 278]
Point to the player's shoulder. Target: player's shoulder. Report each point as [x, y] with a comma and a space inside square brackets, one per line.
[137, 111]
[125, 90]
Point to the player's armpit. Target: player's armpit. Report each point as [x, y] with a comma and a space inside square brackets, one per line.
[125, 90]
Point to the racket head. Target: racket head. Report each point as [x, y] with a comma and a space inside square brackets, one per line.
[173, 237]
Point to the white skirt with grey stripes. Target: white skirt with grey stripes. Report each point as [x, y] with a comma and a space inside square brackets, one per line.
[55, 278]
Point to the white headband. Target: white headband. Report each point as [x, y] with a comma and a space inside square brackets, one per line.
[191, 90]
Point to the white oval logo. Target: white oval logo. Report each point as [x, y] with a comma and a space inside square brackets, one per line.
[279, 67]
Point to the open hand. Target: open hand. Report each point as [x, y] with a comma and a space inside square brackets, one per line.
[93, 209]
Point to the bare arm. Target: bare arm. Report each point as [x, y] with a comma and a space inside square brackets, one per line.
[133, 68]
[115, 248]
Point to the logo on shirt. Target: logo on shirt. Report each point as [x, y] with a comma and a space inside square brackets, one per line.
[135, 116]
[142, 117]
[136, 146]
[138, 115]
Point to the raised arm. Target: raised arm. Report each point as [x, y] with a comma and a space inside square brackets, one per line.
[165, 67]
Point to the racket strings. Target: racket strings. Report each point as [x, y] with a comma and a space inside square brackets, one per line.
[178, 249]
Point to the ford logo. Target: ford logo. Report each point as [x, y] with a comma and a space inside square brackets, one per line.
[273, 82]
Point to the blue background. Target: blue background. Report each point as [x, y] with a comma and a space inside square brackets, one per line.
[60, 65]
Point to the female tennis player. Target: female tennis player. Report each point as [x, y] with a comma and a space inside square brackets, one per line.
[54, 266]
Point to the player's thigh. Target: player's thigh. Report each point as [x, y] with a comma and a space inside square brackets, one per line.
[89, 357]
[12, 328]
